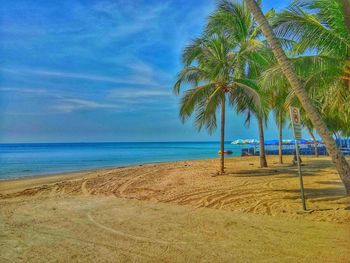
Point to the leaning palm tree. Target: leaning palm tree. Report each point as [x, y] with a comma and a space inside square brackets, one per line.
[316, 77]
[208, 68]
[297, 86]
[322, 26]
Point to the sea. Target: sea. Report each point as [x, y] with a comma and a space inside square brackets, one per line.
[31, 159]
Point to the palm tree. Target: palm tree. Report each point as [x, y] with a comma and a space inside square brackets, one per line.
[261, 117]
[277, 89]
[234, 20]
[323, 28]
[261, 113]
[313, 71]
[277, 103]
[208, 68]
[308, 69]
[297, 86]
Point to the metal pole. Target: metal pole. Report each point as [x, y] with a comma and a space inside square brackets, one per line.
[300, 176]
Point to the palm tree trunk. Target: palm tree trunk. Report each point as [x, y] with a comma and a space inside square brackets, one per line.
[222, 142]
[338, 158]
[346, 12]
[314, 139]
[280, 128]
[263, 162]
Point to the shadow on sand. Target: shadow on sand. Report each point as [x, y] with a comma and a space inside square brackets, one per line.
[325, 194]
[335, 191]
[309, 168]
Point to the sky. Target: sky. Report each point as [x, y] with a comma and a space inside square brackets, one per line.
[83, 71]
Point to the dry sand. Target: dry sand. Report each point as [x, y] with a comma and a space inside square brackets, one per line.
[186, 214]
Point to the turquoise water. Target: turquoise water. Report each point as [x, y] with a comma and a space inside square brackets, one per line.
[18, 160]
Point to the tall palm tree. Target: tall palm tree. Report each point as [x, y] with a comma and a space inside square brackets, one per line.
[209, 69]
[338, 159]
[261, 113]
[234, 20]
[277, 90]
[277, 103]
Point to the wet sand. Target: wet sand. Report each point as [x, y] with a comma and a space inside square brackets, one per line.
[181, 211]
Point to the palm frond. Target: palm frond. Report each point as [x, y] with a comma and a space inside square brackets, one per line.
[192, 98]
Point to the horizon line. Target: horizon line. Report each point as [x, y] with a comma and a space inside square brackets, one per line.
[87, 142]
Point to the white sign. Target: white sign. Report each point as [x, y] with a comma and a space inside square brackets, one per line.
[296, 122]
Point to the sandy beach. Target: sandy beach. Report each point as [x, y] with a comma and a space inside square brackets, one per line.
[178, 212]
[154, 131]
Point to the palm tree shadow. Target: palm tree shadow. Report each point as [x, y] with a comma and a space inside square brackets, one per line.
[254, 172]
[329, 182]
[319, 194]
[308, 168]
[333, 191]
[285, 172]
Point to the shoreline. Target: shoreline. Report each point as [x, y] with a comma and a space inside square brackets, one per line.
[102, 168]
[44, 174]
[36, 180]
[245, 187]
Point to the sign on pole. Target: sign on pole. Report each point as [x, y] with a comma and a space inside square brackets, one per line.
[296, 124]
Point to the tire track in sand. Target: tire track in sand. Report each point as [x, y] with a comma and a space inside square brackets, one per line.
[123, 234]
[122, 188]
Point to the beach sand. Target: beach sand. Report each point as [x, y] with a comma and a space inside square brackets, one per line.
[178, 212]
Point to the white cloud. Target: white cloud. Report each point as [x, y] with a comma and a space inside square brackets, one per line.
[141, 68]
[131, 93]
[70, 105]
[138, 73]
[133, 79]
[23, 90]
[120, 20]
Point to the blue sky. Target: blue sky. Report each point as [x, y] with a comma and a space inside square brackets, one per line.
[100, 70]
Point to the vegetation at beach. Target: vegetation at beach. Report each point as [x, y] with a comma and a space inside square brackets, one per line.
[263, 63]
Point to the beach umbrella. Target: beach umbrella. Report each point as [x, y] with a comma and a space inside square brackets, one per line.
[287, 141]
[302, 141]
[239, 141]
[253, 141]
[271, 142]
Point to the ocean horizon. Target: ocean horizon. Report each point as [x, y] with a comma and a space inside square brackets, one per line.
[34, 159]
